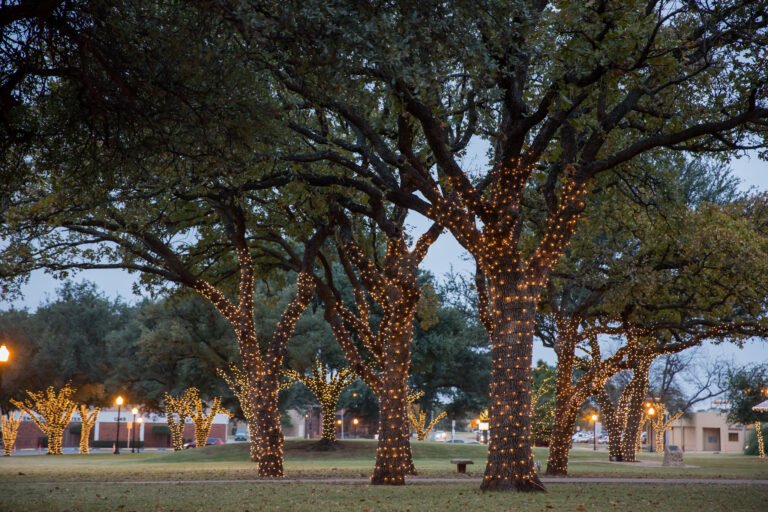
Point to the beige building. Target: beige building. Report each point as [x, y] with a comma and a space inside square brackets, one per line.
[707, 432]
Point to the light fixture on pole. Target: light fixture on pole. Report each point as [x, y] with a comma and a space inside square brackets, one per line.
[5, 355]
[651, 412]
[119, 402]
[138, 448]
[134, 411]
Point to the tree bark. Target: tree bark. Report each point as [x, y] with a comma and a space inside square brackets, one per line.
[510, 457]
[635, 394]
[614, 423]
[560, 440]
[329, 423]
[393, 452]
[271, 441]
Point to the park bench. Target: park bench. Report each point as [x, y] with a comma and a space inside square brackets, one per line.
[461, 464]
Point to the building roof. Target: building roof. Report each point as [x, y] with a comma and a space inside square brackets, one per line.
[761, 407]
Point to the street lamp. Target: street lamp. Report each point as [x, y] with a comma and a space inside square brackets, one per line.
[355, 422]
[5, 354]
[134, 411]
[651, 412]
[594, 432]
[138, 448]
[119, 402]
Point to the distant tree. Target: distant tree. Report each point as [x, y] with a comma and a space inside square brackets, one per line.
[747, 387]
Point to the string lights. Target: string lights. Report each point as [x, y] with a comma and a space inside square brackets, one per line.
[760, 440]
[87, 421]
[418, 419]
[10, 429]
[177, 410]
[197, 412]
[51, 411]
[327, 385]
[239, 383]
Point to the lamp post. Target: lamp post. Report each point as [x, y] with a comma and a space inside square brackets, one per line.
[594, 432]
[119, 402]
[355, 422]
[134, 411]
[5, 354]
[138, 448]
[651, 412]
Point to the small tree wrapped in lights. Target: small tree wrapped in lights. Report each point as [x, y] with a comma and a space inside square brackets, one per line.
[326, 384]
[177, 410]
[10, 428]
[88, 420]
[201, 420]
[51, 410]
[418, 419]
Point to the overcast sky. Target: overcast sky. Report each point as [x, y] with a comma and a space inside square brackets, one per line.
[444, 255]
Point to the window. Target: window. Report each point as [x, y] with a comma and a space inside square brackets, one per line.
[733, 437]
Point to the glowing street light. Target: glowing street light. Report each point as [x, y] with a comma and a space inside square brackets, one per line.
[650, 412]
[138, 448]
[5, 355]
[119, 401]
[134, 411]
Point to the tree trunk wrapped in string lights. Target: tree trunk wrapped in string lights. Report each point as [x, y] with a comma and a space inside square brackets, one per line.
[392, 284]
[760, 440]
[10, 429]
[660, 423]
[51, 411]
[570, 394]
[202, 420]
[326, 384]
[239, 383]
[87, 421]
[177, 410]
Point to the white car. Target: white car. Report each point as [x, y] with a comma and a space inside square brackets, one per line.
[581, 437]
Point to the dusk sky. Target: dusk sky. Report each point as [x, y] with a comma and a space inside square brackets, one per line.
[444, 255]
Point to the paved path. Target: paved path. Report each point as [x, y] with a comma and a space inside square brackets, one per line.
[415, 480]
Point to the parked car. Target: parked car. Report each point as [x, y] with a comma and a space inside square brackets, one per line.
[602, 439]
[455, 441]
[208, 442]
[581, 437]
[241, 438]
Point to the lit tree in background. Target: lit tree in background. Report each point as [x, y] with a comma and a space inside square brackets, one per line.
[239, 383]
[177, 410]
[681, 230]
[561, 98]
[10, 429]
[747, 387]
[418, 420]
[51, 411]
[87, 421]
[327, 385]
[197, 413]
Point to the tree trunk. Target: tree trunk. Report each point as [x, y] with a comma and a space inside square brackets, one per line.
[566, 409]
[271, 441]
[393, 453]
[635, 393]
[614, 424]
[510, 456]
[329, 424]
[560, 440]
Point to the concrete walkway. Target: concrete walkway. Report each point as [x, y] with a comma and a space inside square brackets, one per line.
[414, 480]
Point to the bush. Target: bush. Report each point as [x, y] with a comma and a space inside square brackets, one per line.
[751, 447]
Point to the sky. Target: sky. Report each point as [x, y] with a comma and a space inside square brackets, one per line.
[445, 255]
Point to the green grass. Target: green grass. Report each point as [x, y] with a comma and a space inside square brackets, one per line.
[108, 482]
[76, 497]
[353, 459]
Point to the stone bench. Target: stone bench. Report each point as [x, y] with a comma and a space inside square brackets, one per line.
[461, 464]
[673, 457]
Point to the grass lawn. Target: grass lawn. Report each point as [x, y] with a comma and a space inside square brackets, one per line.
[83, 483]
[353, 459]
[334, 497]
